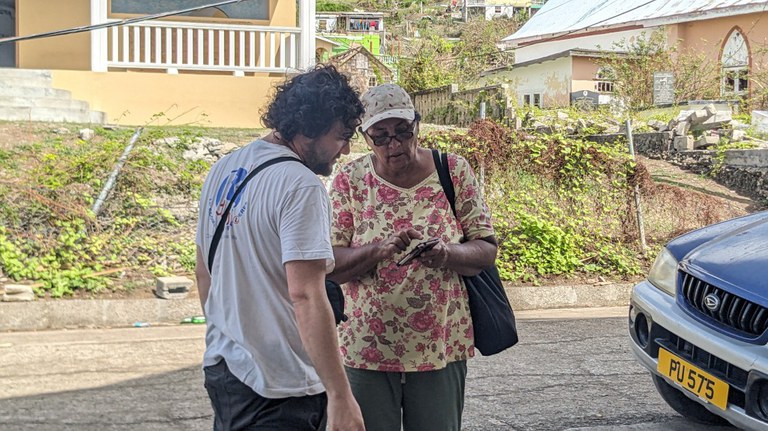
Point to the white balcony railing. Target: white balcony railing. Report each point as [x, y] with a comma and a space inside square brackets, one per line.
[175, 46]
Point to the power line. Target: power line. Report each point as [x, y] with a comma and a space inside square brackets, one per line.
[114, 23]
[607, 19]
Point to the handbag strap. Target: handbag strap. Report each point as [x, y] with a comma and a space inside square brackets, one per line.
[223, 221]
[441, 163]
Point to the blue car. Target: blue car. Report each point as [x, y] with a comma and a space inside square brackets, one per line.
[699, 323]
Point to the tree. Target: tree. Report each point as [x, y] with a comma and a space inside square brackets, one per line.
[634, 63]
[428, 67]
[436, 61]
[477, 50]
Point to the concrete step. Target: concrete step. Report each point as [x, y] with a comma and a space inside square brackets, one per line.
[26, 81]
[34, 92]
[28, 95]
[55, 115]
[98, 117]
[9, 72]
[43, 102]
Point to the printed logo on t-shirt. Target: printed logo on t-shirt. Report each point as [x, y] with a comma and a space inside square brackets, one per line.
[224, 194]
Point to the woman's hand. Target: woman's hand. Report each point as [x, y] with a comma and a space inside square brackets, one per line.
[437, 257]
[396, 243]
[467, 258]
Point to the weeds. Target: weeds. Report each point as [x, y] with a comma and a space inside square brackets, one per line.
[564, 206]
[50, 237]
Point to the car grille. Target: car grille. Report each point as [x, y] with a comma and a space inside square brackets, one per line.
[734, 311]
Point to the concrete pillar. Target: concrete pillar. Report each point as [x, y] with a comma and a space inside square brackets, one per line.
[99, 37]
[307, 40]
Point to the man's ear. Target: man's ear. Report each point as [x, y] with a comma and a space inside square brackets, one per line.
[301, 140]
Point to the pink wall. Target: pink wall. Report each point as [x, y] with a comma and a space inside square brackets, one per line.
[708, 36]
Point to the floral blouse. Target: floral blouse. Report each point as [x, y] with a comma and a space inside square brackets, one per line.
[409, 318]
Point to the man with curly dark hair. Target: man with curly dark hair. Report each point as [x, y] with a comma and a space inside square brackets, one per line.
[272, 355]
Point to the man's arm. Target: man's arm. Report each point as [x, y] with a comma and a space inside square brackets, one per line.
[203, 278]
[306, 287]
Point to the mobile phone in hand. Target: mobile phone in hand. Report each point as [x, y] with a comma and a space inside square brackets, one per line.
[418, 250]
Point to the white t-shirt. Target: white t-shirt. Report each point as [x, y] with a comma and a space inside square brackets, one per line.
[283, 214]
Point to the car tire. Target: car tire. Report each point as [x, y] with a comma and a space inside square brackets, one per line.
[685, 406]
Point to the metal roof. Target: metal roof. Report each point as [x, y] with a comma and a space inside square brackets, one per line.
[561, 17]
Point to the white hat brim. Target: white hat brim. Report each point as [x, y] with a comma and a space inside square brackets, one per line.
[405, 114]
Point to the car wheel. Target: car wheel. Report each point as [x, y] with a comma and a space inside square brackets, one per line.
[685, 406]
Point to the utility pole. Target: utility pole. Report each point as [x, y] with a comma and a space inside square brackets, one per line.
[638, 207]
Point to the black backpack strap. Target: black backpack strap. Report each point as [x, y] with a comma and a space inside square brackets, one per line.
[223, 221]
[441, 163]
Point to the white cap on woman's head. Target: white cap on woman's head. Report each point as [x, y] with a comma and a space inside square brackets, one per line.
[386, 101]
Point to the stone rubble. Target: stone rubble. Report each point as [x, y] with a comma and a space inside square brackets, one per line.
[172, 287]
[202, 148]
[18, 293]
[86, 134]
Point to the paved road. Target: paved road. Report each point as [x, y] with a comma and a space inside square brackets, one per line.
[568, 373]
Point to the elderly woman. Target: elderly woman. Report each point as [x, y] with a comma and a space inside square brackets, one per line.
[409, 332]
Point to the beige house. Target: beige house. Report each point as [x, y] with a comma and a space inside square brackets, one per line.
[508, 8]
[557, 51]
[363, 68]
[214, 66]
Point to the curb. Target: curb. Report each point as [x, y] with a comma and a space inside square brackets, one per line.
[577, 296]
[106, 313]
[93, 313]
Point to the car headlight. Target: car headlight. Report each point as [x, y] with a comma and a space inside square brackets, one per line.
[663, 273]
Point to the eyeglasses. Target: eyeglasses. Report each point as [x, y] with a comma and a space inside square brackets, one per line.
[383, 140]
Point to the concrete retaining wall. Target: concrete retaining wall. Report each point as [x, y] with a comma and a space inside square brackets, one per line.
[652, 144]
[102, 313]
[745, 171]
[93, 313]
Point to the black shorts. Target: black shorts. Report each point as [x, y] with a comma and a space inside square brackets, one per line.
[238, 407]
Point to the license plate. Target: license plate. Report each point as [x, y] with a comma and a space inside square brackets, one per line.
[693, 379]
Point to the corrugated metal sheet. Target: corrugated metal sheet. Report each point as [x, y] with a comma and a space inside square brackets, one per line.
[559, 17]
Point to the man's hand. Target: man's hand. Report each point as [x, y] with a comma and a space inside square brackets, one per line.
[344, 414]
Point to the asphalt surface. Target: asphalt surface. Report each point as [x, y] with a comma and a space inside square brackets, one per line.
[571, 371]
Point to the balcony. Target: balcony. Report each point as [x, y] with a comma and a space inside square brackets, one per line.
[183, 46]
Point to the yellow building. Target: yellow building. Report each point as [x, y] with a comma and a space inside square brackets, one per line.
[214, 66]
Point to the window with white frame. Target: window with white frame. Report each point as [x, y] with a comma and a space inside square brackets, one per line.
[604, 80]
[533, 99]
[372, 81]
[735, 62]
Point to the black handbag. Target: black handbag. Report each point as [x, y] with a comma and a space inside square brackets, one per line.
[492, 317]
[332, 289]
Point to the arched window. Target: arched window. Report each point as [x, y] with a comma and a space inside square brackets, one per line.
[604, 80]
[735, 62]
